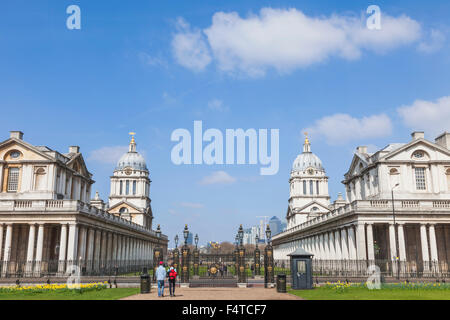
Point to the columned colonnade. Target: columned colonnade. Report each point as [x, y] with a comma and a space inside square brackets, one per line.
[88, 246]
[356, 242]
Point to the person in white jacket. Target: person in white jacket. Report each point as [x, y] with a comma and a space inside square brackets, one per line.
[160, 276]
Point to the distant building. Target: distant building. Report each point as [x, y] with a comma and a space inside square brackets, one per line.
[275, 225]
[190, 239]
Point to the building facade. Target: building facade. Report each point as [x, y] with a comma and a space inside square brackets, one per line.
[397, 209]
[48, 222]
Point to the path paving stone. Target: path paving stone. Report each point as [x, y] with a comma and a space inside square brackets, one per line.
[217, 294]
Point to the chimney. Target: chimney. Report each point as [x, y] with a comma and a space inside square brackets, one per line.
[443, 140]
[361, 149]
[74, 149]
[16, 135]
[418, 135]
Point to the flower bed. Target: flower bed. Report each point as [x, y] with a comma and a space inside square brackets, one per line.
[42, 288]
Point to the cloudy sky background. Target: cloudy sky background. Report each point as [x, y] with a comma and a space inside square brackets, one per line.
[152, 67]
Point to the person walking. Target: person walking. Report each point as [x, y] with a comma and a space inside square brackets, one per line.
[160, 276]
[172, 280]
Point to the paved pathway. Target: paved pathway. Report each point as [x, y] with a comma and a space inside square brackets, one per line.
[217, 294]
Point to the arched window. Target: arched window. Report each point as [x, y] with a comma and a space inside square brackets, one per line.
[317, 187]
[134, 187]
[311, 187]
[123, 210]
[304, 186]
[121, 187]
[127, 187]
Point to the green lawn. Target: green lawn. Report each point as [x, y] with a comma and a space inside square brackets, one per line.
[105, 294]
[359, 293]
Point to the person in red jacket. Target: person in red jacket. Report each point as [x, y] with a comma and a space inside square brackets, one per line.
[172, 280]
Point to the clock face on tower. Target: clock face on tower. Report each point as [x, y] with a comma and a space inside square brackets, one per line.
[128, 171]
[310, 171]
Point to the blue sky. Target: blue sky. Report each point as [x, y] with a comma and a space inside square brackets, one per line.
[152, 67]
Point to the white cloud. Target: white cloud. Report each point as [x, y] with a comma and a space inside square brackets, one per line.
[189, 47]
[341, 128]
[192, 205]
[436, 41]
[217, 105]
[431, 116]
[218, 177]
[287, 39]
[109, 155]
[151, 60]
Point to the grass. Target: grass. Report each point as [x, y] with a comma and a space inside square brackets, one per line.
[387, 292]
[105, 294]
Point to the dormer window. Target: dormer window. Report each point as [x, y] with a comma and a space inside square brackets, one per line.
[418, 154]
[14, 154]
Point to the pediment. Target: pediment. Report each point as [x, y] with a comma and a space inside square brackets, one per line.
[124, 204]
[27, 151]
[313, 204]
[431, 150]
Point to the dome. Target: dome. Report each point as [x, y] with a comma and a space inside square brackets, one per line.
[307, 159]
[132, 159]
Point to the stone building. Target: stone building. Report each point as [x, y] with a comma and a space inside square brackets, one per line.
[409, 181]
[48, 222]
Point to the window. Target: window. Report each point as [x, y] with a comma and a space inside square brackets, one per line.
[123, 210]
[317, 187]
[311, 187]
[134, 187]
[304, 187]
[13, 179]
[127, 187]
[420, 178]
[121, 187]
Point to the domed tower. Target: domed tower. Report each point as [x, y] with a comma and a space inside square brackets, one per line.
[130, 188]
[308, 188]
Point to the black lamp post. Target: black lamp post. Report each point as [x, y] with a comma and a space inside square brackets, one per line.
[176, 254]
[157, 253]
[196, 256]
[185, 257]
[241, 258]
[268, 260]
[257, 257]
[397, 259]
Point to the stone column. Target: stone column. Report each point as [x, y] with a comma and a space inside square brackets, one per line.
[73, 244]
[109, 248]
[30, 249]
[351, 243]
[424, 242]
[433, 245]
[337, 246]
[7, 251]
[401, 242]
[104, 246]
[62, 249]
[119, 247]
[320, 247]
[332, 252]
[344, 246]
[97, 249]
[392, 242]
[90, 253]
[1, 235]
[83, 243]
[370, 245]
[39, 250]
[326, 248]
[114, 248]
[360, 241]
